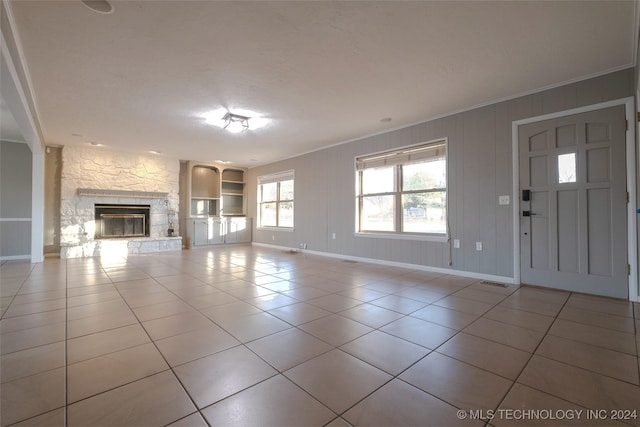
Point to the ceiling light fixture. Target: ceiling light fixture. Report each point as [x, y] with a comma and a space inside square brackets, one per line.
[235, 123]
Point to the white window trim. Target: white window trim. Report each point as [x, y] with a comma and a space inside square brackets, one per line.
[400, 235]
[270, 178]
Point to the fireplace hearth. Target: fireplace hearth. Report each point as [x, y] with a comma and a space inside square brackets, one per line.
[122, 221]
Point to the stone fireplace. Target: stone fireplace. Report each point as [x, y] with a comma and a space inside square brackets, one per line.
[117, 202]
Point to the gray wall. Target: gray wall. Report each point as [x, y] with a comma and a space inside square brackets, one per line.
[15, 199]
[480, 170]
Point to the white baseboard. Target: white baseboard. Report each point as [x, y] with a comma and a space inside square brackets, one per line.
[14, 257]
[470, 274]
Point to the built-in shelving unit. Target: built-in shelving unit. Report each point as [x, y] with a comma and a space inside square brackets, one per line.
[217, 205]
[205, 191]
[233, 192]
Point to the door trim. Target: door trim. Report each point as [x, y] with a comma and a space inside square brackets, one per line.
[632, 242]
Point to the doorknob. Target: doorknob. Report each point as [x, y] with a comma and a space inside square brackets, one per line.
[527, 213]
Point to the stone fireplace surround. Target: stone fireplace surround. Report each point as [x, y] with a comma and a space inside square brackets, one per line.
[98, 176]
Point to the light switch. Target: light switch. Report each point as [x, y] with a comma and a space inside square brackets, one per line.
[456, 243]
[478, 246]
[503, 200]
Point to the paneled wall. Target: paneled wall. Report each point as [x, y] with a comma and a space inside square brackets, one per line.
[15, 200]
[480, 170]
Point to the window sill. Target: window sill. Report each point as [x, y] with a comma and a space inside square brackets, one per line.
[403, 236]
[289, 229]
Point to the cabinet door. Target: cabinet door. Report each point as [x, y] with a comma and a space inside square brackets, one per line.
[238, 230]
[244, 231]
[216, 232]
[200, 232]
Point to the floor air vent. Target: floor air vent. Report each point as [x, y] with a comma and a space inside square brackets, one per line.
[502, 285]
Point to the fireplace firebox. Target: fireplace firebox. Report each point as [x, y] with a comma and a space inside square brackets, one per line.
[116, 221]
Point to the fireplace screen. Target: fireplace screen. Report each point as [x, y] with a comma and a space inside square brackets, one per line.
[122, 221]
[122, 225]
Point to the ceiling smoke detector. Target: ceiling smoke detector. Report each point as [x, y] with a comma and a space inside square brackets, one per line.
[100, 6]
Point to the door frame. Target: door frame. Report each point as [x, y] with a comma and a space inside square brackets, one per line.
[630, 153]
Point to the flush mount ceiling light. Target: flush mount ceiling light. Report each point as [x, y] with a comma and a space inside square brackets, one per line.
[235, 123]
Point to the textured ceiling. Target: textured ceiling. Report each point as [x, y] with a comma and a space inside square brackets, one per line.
[318, 73]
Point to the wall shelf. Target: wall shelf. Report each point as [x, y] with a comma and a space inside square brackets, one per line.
[233, 192]
[213, 193]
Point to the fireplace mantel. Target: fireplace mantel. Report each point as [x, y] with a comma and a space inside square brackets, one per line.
[122, 193]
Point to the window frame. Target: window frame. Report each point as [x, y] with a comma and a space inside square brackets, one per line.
[398, 158]
[276, 178]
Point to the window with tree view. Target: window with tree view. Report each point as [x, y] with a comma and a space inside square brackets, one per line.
[403, 191]
[275, 200]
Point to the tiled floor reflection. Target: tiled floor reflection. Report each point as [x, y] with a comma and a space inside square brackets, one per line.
[249, 336]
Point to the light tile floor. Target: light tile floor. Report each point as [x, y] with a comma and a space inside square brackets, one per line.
[255, 337]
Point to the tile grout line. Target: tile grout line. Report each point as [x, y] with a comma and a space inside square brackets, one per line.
[397, 376]
[404, 315]
[161, 354]
[533, 353]
[13, 297]
[32, 267]
[513, 382]
[244, 344]
[139, 323]
[276, 369]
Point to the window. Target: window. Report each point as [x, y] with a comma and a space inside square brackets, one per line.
[403, 191]
[566, 168]
[275, 200]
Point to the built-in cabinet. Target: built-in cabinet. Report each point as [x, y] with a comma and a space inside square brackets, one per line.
[215, 231]
[217, 205]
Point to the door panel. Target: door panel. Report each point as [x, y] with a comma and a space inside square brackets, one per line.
[538, 171]
[568, 240]
[599, 221]
[575, 237]
[539, 223]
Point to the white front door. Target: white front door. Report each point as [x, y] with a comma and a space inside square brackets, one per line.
[573, 203]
